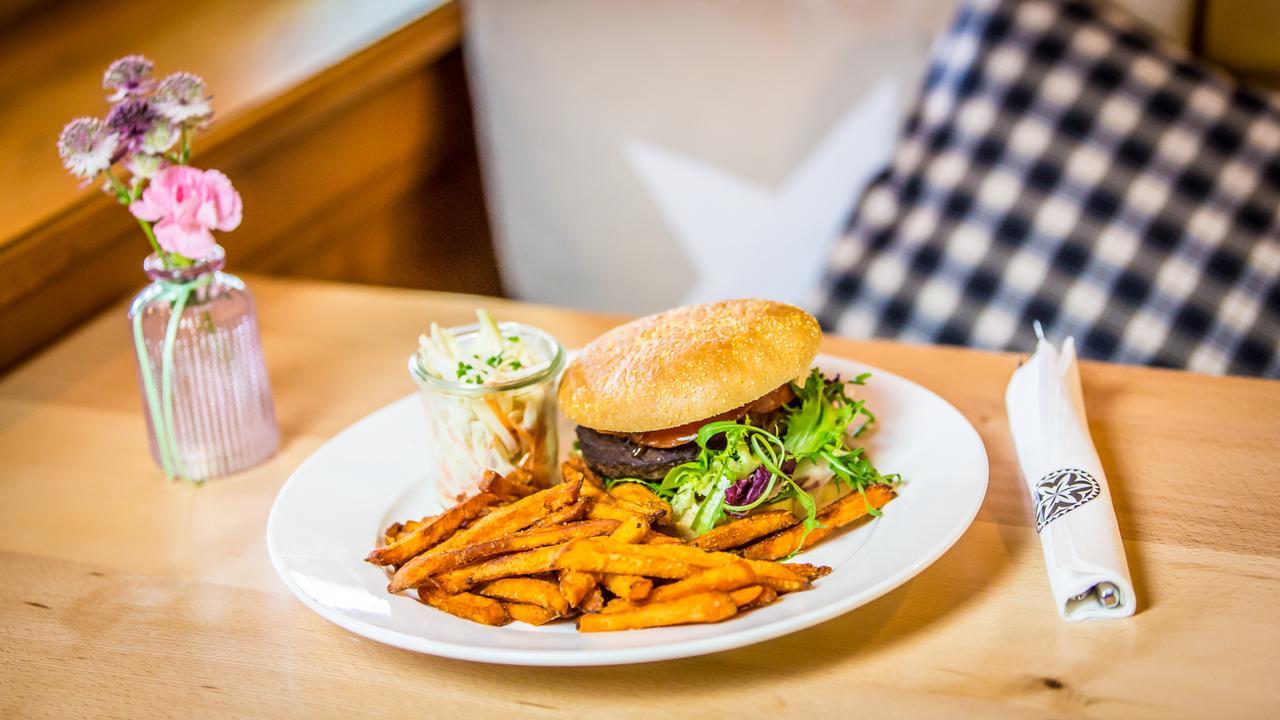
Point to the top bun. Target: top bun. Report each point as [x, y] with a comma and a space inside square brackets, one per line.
[687, 364]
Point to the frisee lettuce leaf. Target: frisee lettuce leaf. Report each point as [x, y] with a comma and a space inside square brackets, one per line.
[699, 485]
[820, 429]
[824, 416]
[817, 427]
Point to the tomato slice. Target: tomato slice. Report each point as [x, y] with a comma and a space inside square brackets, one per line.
[679, 435]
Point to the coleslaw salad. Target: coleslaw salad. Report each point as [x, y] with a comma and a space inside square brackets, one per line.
[488, 390]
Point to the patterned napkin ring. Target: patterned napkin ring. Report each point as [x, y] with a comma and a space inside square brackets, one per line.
[1061, 491]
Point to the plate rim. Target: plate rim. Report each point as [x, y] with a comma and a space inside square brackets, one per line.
[631, 655]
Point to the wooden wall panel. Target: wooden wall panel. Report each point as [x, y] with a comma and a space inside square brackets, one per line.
[403, 208]
[363, 172]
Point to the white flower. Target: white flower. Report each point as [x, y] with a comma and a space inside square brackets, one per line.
[144, 166]
[181, 98]
[128, 77]
[86, 147]
[160, 138]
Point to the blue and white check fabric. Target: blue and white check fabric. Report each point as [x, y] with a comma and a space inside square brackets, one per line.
[1063, 165]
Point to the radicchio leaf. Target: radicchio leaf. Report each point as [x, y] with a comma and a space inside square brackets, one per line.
[748, 489]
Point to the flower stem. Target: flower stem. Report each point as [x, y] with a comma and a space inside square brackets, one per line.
[126, 198]
[155, 244]
[122, 192]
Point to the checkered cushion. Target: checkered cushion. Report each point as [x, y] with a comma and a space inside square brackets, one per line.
[1062, 165]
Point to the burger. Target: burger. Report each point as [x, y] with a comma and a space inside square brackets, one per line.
[717, 408]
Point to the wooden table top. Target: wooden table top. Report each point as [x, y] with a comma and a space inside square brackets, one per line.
[127, 596]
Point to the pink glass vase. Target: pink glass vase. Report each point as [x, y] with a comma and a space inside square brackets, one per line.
[204, 383]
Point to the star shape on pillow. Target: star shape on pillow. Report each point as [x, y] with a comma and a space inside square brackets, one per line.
[748, 240]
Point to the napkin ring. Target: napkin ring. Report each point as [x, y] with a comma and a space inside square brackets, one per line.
[1061, 491]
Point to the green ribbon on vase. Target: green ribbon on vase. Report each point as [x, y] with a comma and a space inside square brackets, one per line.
[160, 403]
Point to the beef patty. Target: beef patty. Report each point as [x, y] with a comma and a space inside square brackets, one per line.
[615, 456]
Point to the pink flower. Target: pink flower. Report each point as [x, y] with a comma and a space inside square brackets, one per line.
[186, 203]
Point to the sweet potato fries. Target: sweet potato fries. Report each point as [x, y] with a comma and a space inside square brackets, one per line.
[516, 552]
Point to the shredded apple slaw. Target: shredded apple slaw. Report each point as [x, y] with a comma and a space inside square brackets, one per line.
[489, 394]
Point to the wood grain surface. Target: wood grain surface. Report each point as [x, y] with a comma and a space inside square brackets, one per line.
[127, 596]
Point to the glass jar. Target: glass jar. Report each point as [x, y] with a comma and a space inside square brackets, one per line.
[204, 384]
[499, 427]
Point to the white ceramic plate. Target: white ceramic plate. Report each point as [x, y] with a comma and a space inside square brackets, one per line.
[331, 511]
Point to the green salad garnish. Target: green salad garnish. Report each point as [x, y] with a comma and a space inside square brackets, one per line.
[741, 467]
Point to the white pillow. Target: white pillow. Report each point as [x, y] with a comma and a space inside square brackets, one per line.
[628, 144]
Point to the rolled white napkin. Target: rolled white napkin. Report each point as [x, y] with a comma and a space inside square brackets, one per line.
[1075, 519]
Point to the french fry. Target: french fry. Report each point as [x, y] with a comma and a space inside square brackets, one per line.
[772, 574]
[605, 507]
[596, 559]
[675, 551]
[717, 579]
[575, 469]
[569, 513]
[643, 497]
[705, 608]
[627, 587]
[653, 514]
[529, 562]
[399, 530]
[635, 492]
[514, 517]
[778, 577]
[392, 533]
[511, 485]
[471, 607]
[577, 466]
[744, 530]
[420, 569]
[630, 531]
[593, 602]
[432, 533]
[753, 596]
[523, 476]
[529, 614]
[576, 585]
[807, 571]
[411, 525]
[592, 492]
[619, 605]
[657, 538]
[834, 516]
[526, 591]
